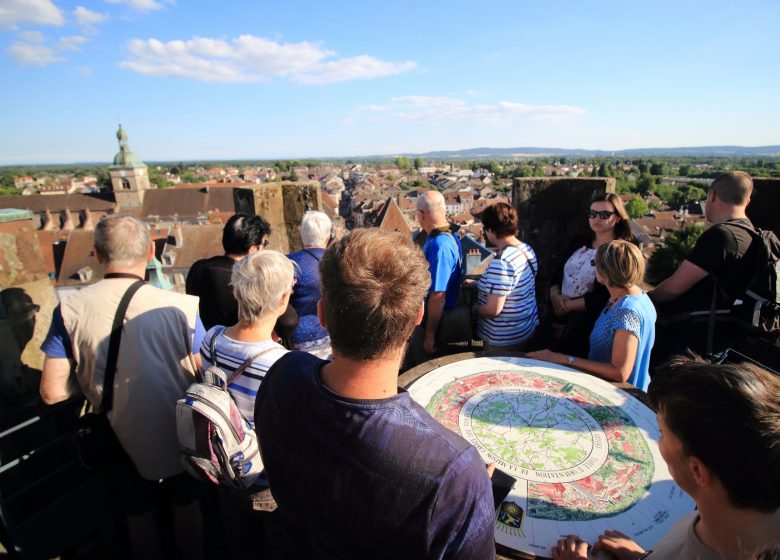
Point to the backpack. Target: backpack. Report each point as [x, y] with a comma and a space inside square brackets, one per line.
[758, 307]
[217, 444]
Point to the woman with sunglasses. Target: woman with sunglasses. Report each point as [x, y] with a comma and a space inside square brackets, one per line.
[623, 336]
[577, 298]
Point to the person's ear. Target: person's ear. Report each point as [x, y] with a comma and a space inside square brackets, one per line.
[150, 254]
[420, 313]
[699, 471]
[321, 313]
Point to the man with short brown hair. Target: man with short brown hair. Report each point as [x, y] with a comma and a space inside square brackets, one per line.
[727, 253]
[358, 469]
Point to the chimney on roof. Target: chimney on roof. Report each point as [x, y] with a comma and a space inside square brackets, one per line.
[68, 224]
[48, 221]
[178, 236]
[87, 223]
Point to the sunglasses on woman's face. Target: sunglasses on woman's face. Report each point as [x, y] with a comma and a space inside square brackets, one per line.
[603, 214]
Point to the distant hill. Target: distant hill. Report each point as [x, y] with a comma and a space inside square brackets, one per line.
[508, 153]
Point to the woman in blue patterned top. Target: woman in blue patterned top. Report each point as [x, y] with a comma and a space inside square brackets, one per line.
[316, 234]
[507, 309]
[623, 335]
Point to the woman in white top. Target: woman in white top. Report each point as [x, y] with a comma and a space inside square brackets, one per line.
[262, 283]
[576, 297]
[507, 309]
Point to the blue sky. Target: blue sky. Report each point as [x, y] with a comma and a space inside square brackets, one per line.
[258, 79]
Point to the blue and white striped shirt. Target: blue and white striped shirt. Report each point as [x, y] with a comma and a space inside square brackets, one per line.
[230, 355]
[512, 275]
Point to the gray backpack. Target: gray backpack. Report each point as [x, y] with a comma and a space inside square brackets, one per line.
[217, 444]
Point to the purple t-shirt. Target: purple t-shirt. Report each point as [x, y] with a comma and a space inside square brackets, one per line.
[368, 478]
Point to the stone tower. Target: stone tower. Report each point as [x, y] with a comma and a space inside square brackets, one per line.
[129, 175]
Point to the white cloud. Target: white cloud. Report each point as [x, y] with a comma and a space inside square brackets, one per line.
[139, 5]
[88, 18]
[32, 36]
[419, 108]
[33, 54]
[252, 59]
[84, 70]
[42, 12]
[71, 43]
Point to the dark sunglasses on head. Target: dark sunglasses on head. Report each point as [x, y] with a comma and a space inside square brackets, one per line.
[603, 214]
[265, 243]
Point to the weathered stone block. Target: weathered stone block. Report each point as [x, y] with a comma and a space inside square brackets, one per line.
[552, 212]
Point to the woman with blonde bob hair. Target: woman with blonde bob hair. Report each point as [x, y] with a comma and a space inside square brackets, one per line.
[262, 283]
[623, 335]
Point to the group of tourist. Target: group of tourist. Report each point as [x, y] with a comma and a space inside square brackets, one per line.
[354, 467]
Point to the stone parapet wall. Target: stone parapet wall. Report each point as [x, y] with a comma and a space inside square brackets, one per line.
[552, 212]
[283, 206]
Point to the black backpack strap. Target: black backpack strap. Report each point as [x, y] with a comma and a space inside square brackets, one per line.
[107, 401]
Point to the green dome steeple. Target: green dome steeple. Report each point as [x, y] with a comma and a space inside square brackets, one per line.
[125, 157]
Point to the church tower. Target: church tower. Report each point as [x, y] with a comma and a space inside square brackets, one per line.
[129, 175]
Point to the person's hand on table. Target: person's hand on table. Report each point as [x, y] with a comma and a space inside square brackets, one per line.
[491, 468]
[547, 355]
[570, 548]
[619, 545]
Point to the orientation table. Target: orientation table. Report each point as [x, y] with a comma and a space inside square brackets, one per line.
[583, 451]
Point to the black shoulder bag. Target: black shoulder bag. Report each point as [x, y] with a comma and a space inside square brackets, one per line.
[98, 446]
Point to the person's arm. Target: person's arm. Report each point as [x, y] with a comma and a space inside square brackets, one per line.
[557, 300]
[624, 350]
[492, 307]
[462, 520]
[55, 380]
[619, 545]
[434, 312]
[683, 279]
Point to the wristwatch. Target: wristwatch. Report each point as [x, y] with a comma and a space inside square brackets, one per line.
[570, 360]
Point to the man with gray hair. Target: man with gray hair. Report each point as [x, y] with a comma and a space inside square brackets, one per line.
[444, 254]
[154, 366]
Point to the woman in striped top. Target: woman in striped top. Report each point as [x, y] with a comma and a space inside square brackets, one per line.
[507, 309]
[262, 283]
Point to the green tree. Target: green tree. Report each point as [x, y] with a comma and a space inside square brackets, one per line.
[636, 208]
[645, 185]
[402, 162]
[672, 251]
[418, 162]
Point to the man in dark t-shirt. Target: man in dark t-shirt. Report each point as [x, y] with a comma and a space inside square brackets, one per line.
[209, 279]
[358, 469]
[726, 253]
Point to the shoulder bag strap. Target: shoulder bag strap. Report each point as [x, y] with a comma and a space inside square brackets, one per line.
[107, 401]
[312, 255]
[248, 362]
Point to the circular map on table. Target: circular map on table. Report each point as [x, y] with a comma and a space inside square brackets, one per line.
[584, 453]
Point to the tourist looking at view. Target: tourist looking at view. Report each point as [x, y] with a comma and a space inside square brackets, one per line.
[506, 307]
[720, 427]
[576, 297]
[623, 335]
[310, 336]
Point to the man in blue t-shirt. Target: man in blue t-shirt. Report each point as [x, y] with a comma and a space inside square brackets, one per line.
[358, 469]
[443, 252]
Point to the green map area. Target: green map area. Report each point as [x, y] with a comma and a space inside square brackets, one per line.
[532, 431]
